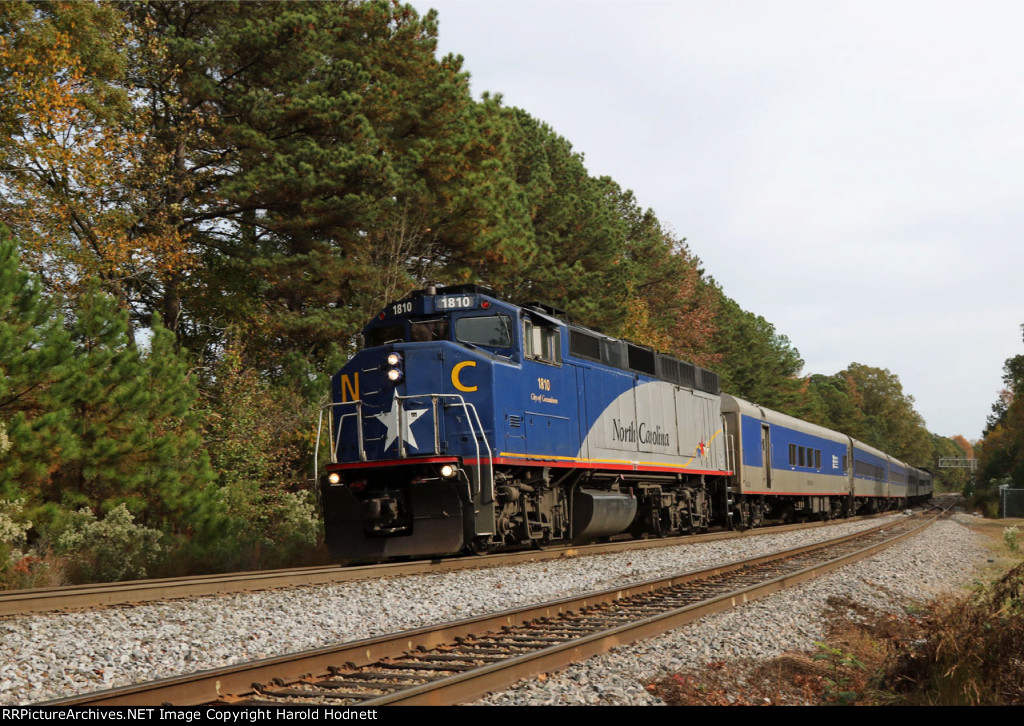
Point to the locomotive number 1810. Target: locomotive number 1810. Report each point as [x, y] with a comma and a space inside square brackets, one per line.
[454, 302]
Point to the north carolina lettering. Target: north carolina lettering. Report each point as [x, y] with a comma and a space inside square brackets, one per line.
[654, 436]
[642, 433]
[621, 433]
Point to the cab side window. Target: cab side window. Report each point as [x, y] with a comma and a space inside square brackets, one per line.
[541, 341]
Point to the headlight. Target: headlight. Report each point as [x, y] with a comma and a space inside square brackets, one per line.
[394, 372]
[448, 471]
[334, 478]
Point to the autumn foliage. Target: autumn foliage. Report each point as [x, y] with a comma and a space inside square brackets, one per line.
[1001, 452]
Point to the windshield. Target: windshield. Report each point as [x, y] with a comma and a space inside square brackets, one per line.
[427, 331]
[384, 335]
[493, 331]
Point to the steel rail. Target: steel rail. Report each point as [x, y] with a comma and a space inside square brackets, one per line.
[480, 681]
[19, 602]
[215, 685]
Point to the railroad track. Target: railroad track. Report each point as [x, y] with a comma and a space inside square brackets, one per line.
[459, 661]
[18, 602]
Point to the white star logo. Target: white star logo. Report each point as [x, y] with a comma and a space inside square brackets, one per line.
[390, 419]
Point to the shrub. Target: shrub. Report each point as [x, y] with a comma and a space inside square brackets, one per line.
[20, 567]
[274, 529]
[114, 548]
[13, 531]
[972, 653]
[1010, 538]
[13, 527]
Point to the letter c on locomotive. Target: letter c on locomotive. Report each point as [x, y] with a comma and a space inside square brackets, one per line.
[455, 376]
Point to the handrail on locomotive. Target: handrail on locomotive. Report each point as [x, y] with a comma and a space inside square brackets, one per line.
[476, 432]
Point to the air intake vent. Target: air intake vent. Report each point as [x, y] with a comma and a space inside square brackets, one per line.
[707, 381]
[676, 371]
[641, 360]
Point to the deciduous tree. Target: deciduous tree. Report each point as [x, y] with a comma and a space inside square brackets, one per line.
[80, 173]
[1001, 451]
[890, 421]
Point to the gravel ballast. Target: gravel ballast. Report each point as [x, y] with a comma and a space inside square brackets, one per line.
[942, 559]
[53, 655]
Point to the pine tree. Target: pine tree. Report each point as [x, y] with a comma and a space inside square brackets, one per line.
[90, 420]
[35, 352]
[133, 422]
[176, 480]
[758, 363]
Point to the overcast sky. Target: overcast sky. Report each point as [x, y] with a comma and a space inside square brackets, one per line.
[851, 171]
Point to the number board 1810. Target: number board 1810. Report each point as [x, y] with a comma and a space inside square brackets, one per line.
[455, 302]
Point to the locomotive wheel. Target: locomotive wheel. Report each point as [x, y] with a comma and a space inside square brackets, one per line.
[539, 544]
[481, 546]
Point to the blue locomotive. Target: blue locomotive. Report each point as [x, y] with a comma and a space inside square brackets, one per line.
[467, 423]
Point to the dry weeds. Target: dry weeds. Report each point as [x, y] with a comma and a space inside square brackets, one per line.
[966, 650]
